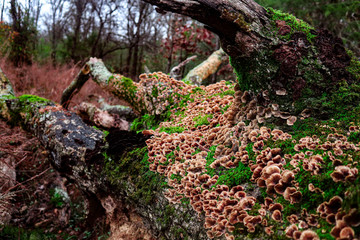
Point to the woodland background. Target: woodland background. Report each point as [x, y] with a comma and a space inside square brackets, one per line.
[44, 42]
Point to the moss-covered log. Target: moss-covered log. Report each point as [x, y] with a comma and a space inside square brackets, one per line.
[279, 58]
[111, 169]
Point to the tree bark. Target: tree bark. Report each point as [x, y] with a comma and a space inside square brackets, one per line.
[231, 20]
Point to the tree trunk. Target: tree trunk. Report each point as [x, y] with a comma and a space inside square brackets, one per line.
[276, 55]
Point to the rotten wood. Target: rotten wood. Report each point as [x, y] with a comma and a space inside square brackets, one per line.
[202, 71]
[176, 71]
[89, 112]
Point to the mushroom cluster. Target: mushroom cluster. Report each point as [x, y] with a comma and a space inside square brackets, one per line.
[230, 133]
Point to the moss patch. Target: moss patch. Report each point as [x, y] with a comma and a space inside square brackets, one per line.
[296, 24]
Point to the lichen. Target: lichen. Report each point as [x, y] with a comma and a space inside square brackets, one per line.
[236, 18]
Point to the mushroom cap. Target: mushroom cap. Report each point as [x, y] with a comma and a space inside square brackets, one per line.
[333, 205]
[291, 120]
[276, 215]
[276, 206]
[353, 218]
[347, 233]
[309, 235]
[289, 231]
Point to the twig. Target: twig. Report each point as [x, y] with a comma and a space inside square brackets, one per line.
[32, 178]
[175, 71]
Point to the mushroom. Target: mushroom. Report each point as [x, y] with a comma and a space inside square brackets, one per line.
[276, 215]
[309, 235]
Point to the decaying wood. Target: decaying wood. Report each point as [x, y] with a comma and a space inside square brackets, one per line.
[96, 69]
[206, 68]
[122, 111]
[101, 118]
[71, 143]
[176, 71]
[75, 86]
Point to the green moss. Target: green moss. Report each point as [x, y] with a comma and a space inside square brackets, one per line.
[202, 120]
[171, 130]
[235, 176]
[209, 160]
[144, 122]
[354, 67]
[10, 232]
[33, 99]
[179, 233]
[296, 25]
[256, 71]
[133, 167]
[197, 90]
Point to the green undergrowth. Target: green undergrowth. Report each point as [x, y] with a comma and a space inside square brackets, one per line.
[202, 120]
[11, 232]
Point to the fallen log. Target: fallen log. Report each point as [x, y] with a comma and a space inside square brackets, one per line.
[111, 170]
[202, 71]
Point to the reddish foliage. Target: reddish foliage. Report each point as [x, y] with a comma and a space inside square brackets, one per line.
[48, 81]
[187, 38]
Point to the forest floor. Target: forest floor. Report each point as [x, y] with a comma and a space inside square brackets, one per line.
[44, 204]
[40, 202]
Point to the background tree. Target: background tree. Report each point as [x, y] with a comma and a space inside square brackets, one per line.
[23, 25]
[56, 26]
